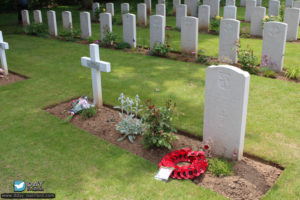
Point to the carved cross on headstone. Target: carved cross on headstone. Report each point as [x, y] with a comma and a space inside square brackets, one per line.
[3, 47]
[97, 66]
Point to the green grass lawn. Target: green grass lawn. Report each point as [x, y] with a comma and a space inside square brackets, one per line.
[35, 145]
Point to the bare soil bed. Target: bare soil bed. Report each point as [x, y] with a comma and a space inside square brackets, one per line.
[11, 78]
[251, 179]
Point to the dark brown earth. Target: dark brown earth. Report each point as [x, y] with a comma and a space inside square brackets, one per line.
[10, 78]
[251, 179]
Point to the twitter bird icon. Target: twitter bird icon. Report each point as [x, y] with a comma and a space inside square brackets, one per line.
[19, 186]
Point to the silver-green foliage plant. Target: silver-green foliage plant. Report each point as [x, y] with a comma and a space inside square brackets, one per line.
[130, 126]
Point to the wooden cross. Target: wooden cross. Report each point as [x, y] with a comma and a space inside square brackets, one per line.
[3, 47]
[97, 66]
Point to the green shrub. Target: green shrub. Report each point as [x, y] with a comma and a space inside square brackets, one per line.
[70, 34]
[110, 38]
[220, 166]
[269, 73]
[88, 113]
[215, 24]
[159, 49]
[159, 132]
[247, 57]
[122, 45]
[202, 58]
[97, 13]
[293, 73]
[251, 70]
[36, 29]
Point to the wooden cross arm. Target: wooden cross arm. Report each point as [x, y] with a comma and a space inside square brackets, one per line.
[98, 65]
[4, 45]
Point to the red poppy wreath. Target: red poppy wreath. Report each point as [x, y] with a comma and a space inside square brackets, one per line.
[196, 158]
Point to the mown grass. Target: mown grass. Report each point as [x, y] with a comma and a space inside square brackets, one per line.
[35, 145]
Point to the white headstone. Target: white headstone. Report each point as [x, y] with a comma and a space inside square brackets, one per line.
[225, 110]
[157, 30]
[110, 8]
[25, 17]
[274, 6]
[3, 47]
[161, 10]
[142, 14]
[214, 7]
[204, 17]
[296, 4]
[228, 40]
[124, 8]
[129, 29]
[181, 11]
[148, 4]
[37, 16]
[258, 2]
[97, 66]
[67, 20]
[229, 12]
[230, 2]
[291, 18]
[289, 3]
[105, 24]
[85, 25]
[194, 7]
[242, 3]
[52, 22]
[256, 28]
[95, 7]
[250, 4]
[274, 39]
[188, 6]
[189, 35]
[175, 4]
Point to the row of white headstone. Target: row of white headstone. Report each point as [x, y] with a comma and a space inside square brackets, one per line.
[225, 109]
[255, 14]
[85, 21]
[274, 36]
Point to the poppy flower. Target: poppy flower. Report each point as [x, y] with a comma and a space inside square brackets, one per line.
[206, 147]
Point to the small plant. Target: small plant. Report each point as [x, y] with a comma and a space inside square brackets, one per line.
[88, 113]
[36, 29]
[70, 34]
[271, 19]
[159, 49]
[110, 37]
[266, 67]
[220, 166]
[215, 24]
[159, 132]
[202, 58]
[269, 73]
[246, 57]
[98, 12]
[251, 70]
[91, 40]
[122, 45]
[281, 13]
[293, 73]
[245, 32]
[130, 126]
